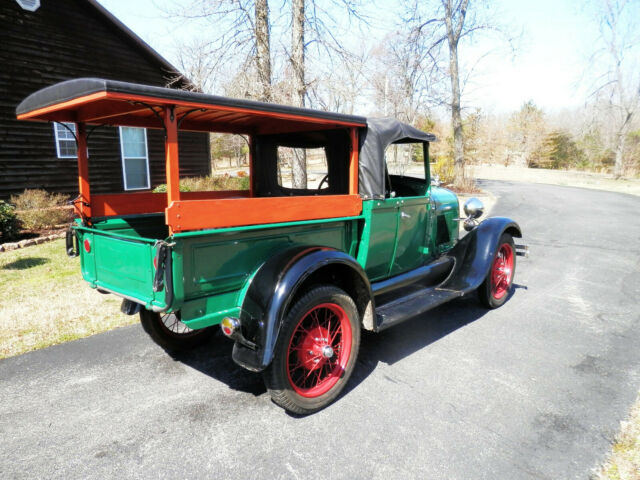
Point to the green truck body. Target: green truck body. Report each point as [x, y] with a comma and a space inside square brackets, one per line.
[211, 269]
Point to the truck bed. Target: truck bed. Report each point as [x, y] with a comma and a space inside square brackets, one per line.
[209, 268]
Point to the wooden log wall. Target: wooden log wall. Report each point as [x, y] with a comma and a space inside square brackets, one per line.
[66, 39]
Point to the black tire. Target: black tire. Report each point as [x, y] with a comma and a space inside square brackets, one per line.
[170, 333]
[285, 378]
[495, 289]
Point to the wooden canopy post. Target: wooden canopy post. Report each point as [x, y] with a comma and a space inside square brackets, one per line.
[252, 158]
[172, 160]
[83, 205]
[353, 162]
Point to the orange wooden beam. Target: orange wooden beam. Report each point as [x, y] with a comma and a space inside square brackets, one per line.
[252, 157]
[353, 162]
[148, 202]
[83, 206]
[204, 214]
[172, 161]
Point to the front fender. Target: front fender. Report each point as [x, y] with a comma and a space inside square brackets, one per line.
[474, 253]
[270, 293]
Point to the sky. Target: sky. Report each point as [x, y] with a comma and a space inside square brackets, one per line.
[554, 42]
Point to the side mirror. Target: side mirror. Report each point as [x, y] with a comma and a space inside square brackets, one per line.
[473, 208]
[435, 181]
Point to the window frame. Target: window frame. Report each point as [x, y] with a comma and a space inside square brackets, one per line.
[123, 158]
[58, 139]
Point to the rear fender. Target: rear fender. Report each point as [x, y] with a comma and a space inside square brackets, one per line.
[474, 253]
[270, 293]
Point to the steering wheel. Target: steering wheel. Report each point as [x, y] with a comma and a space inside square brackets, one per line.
[324, 179]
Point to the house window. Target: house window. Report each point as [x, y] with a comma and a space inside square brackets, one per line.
[65, 140]
[135, 158]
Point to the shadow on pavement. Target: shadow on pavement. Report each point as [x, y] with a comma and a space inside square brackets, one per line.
[214, 359]
[390, 346]
[399, 342]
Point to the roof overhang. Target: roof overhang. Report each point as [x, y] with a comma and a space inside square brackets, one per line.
[108, 102]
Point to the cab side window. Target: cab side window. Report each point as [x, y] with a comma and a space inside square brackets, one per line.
[407, 172]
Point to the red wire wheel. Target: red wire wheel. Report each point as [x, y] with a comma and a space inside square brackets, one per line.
[319, 350]
[316, 350]
[494, 291]
[502, 271]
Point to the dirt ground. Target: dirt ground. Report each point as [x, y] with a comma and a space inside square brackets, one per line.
[558, 177]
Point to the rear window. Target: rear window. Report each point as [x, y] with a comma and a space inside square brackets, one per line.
[303, 168]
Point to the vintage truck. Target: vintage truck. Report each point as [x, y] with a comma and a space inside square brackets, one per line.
[292, 275]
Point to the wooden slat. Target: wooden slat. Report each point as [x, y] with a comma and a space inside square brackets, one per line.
[148, 202]
[204, 214]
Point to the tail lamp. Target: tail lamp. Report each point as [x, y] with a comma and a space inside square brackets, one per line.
[229, 325]
[87, 245]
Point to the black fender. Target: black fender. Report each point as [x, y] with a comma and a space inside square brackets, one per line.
[473, 254]
[272, 288]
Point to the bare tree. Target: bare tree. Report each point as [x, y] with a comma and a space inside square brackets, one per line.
[340, 87]
[527, 133]
[617, 86]
[312, 23]
[402, 75]
[442, 25]
[454, 17]
[241, 39]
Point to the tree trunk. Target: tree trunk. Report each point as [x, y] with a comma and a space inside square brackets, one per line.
[621, 136]
[299, 167]
[454, 29]
[263, 50]
[456, 116]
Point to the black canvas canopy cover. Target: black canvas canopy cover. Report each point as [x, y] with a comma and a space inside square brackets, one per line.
[379, 134]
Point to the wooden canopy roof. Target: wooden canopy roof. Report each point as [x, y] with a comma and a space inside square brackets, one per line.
[109, 102]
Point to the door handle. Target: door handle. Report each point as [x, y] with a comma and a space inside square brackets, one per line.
[404, 215]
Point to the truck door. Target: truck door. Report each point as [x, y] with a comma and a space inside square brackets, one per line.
[411, 241]
[400, 222]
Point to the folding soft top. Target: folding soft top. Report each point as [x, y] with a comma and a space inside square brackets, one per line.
[110, 102]
[380, 133]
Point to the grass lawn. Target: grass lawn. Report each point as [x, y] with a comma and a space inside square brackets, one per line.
[624, 461]
[44, 300]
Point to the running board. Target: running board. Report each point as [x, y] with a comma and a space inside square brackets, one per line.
[416, 303]
[522, 250]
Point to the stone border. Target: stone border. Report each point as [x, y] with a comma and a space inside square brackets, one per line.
[5, 247]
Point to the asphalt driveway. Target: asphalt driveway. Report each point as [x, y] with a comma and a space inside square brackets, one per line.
[535, 389]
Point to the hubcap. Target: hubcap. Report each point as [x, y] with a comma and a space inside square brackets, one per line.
[319, 350]
[327, 351]
[502, 271]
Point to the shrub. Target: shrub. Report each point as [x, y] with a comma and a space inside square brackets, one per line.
[444, 169]
[39, 209]
[162, 188]
[209, 184]
[9, 224]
